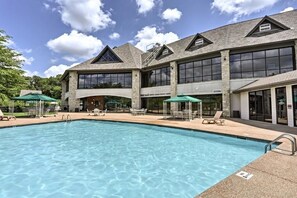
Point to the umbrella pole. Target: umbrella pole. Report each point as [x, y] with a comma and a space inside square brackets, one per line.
[165, 110]
[200, 110]
[40, 109]
[190, 110]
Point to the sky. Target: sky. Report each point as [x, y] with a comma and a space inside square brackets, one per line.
[53, 35]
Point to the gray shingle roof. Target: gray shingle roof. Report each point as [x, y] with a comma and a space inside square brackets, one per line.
[130, 55]
[277, 80]
[225, 37]
[233, 36]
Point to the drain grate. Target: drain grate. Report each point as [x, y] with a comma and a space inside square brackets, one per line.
[244, 175]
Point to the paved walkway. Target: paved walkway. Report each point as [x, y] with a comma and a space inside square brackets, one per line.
[274, 173]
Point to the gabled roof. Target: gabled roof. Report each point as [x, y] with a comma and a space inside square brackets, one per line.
[103, 53]
[230, 37]
[270, 20]
[277, 80]
[192, 43]
[130, 56]
[160, 55]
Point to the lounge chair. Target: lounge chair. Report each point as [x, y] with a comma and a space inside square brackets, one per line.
[132, 111]
[2, 116]
[215, 120]
[194, 114]
[89, 112]
[47, 114]
[96, 112]
[104, 112]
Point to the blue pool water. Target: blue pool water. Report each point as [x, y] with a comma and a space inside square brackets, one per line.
[111, 159]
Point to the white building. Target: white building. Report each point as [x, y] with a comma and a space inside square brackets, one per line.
[246, 69]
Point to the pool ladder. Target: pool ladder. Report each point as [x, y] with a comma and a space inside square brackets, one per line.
[67, 118]
[287, 136]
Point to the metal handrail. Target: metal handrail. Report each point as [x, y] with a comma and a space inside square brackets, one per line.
[287, 136]
[67, 118]
[150, 57]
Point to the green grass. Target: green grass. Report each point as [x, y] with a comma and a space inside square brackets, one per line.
[18, 114]
[22, 114]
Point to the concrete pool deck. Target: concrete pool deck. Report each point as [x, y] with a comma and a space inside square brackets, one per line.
[274, 174]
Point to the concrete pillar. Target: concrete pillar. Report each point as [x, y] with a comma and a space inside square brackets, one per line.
[226, 82]
[63, 84]
[136, 86]
[273, 105]
[244, 106]
[290, 111]
[173, 84]
[73, 102]
[295, 54]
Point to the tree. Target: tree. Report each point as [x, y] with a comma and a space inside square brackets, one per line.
[11, 74]
[49, 86]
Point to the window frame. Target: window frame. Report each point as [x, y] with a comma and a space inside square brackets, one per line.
[264, 27]
[282, 52]
[200, 66]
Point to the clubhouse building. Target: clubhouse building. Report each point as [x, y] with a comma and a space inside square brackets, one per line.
[246, 69]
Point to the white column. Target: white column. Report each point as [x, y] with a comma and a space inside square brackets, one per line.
[136, 86]
[290, 112]
[273, 106]
[226, 82]
[173, 84]
[244, 105]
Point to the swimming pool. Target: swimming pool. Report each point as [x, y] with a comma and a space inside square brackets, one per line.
[112, 159]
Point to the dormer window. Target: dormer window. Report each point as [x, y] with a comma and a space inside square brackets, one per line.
[199, 42]
[107, 55]
[165, 51]
[265, 27]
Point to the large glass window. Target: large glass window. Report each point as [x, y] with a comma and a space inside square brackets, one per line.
[93, 81]
[260, 105]
[295, 104]
[156, 77]
[200, 70]
[108, 56]
[261, 63]
[154, 105]
[210, 104]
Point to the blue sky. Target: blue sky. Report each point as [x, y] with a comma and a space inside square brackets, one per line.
[52, 35]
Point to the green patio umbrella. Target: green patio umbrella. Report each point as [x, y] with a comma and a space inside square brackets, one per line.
[182, 98]
[35, 97]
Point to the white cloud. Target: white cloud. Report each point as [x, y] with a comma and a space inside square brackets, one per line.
[27, 50]
[54, 60]
[287, 9]
[240, 8]
[69, 58]
[86, 16]
[149, 35]
[29, 73]
[114, 36]
[171, 15]
[26, 61]
[145, 5]
[76, 45]
[57, 69]
[10, 43]
[46, 6]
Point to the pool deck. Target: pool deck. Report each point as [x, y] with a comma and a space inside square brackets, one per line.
[274, 174]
